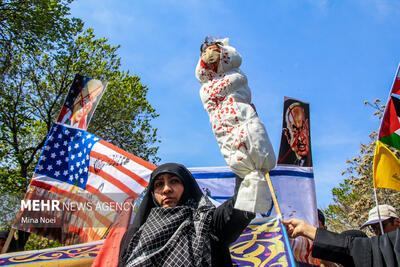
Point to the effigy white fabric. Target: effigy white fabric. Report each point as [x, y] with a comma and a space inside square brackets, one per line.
[241, 136]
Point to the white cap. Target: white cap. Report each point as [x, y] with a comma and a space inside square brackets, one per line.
[386, 212]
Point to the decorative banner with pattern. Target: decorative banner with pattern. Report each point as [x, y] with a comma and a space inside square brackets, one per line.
[263, 244]
[77, 255]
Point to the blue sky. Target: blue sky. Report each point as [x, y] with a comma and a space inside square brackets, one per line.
[331, 54]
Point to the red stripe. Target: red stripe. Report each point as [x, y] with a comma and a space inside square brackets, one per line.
[104, 220]
[76, 197]
[64, 111]
[57, 190]
[138, 160]
[112, 180]
[87, 219]
[72, 230]
[102, 196]
[117, 166]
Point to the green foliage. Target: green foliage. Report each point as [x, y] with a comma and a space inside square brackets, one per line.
[11, 181]
[9, 203]
[123, 115]
[27, 30]
[32, 25]
[36, 21]
[355, 196]
[36, 242]
[36, 82]
[42, 48]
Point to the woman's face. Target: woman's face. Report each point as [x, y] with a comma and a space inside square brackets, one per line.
[168, 189]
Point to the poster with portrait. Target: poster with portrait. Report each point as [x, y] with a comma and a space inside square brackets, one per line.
[293, 177]
[81, 101]
[295, 148]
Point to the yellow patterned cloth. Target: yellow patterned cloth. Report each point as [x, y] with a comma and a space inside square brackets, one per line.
[77, 255]
[263, 244]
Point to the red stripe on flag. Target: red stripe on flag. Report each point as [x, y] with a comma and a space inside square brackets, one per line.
[102, 197]
[116, 165]
[64, 111]
[138, 160]
[72, 230]
[57, 190]
[77, 198]
[112, 180]
[105, 222]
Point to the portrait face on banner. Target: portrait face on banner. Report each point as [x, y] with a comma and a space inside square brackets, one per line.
[81, 101]
[295, 148]
[84, 103]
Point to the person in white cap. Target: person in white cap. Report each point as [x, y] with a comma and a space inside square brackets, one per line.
[390, 219]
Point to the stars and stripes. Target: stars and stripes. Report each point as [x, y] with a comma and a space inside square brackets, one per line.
[81, 159]
[66, 155]
[77, 166]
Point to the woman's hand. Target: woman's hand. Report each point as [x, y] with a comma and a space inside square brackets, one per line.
[296, 227]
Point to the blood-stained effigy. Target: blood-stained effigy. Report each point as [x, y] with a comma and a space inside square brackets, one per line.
[240, 134]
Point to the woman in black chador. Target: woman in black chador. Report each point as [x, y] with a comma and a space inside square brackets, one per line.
[177, 225]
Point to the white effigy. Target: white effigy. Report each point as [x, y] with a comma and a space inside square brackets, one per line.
[241, 136]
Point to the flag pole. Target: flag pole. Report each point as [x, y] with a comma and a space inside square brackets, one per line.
[376, 196]
[8, 241]
[379, 213]
[271, 188]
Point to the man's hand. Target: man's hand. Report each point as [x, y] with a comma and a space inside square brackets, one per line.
[296, 227]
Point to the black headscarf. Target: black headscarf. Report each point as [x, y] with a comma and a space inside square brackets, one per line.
[191, 190]
[191, 193]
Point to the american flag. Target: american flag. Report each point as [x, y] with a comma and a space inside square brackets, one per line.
[76, 165]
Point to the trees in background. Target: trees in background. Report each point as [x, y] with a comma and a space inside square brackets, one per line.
[355, 196]
[31, 25]
[42, 50]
